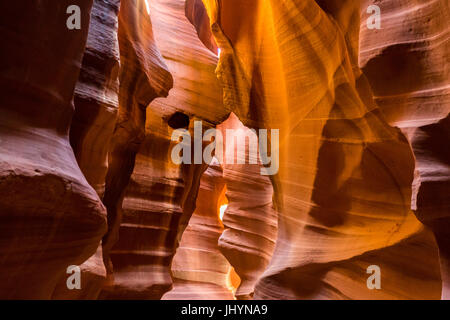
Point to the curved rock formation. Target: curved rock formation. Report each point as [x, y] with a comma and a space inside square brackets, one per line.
[96, 103]
[96, 94]
[357, 171]
[344, 185]
[250, 221]
[407, 64]
[199, 269]
[197, 15]
[50, 216]
[196, 91]
[158, 195]
[143, 77]
[151, 211]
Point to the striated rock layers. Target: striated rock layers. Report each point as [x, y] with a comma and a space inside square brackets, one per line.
[361, 155]
[150, 198]
[96, 94]
[96, 103]
[196, 13]
[199, 269]
[343, 188]
[143, 77]
[250, 221]
[407, 63]
[50, 217]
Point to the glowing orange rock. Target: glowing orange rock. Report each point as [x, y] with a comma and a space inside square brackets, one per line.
[344, 185]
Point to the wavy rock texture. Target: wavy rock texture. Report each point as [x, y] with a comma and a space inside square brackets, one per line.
[344, 186]
[50, 216]
[196, 91]
[196, 13]
[407, 64]
[96, 94]
[143, 77]
[199, 269]
[96, 103]
[250, 221]
[363, 149]
[158, 196]
[151, 213]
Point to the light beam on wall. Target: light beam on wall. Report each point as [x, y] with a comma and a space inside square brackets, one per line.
[147, 6]
[222, 211]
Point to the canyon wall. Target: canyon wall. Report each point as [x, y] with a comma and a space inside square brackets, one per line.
[407, 64]
[150, 199]
[343, 188]
[51, 217]
[96, 104]
[250, 221]
[199, 269]
[143, 77]
[89, 119]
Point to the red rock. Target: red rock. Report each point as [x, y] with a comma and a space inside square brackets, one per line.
[96, 103]
[50, 216]
[363, 179]
[406, 62]
[345, 175]
[199, 269]
[143, 77]
[250, 220]
[158, 196]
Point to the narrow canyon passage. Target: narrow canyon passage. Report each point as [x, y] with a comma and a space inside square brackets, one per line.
[314, 148]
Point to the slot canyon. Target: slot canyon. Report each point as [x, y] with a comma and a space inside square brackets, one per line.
[224, 149]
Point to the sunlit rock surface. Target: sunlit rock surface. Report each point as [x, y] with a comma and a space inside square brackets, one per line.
[86, 123]
[250, 221]
[344, 185]
[158, 195]
[407, 64]
[143, 77]
[199, 269]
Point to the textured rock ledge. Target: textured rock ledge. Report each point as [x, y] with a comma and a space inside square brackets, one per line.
[199, 269]
[143, 77]
[158, 195]
[407, 64]
[250, 221]
[344, 184]
[96, 103]
[347, 180]
[50, 216]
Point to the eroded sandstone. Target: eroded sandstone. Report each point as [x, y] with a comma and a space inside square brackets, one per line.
[50, 216]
